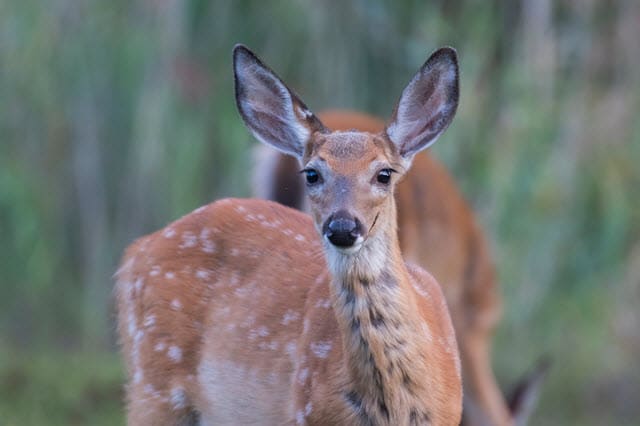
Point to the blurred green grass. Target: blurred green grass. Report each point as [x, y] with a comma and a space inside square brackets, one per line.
[118, 117]
[57, 388]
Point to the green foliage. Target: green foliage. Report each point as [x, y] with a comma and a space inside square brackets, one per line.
[117, 117]
[55, 388]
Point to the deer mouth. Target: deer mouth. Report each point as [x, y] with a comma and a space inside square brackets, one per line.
[346, 249]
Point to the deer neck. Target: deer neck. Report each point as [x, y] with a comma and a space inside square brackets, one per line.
[380, 326]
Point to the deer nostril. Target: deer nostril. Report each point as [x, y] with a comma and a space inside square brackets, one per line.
[342, 225]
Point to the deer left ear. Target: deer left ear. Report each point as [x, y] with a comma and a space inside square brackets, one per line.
[427, 105]
[273, 113]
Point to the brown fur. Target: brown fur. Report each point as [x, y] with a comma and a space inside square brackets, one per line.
[437, 229]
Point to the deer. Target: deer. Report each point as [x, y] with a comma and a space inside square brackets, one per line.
[246, 311]
[437, 230]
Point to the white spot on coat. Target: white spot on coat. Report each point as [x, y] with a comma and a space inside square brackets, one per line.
[261, 331]
[234, 280]
[302, 375]
[178, 398]
[149, 320]
[290, 316]
[176, 304]
[208, 246]
[290, 349]
[242, 291]
[189, 239]
[169, 233]
[248, 321]
[202, 274]
[169, 275]
[323, 303]
[320, 278]
[321, 349]
[175, 354]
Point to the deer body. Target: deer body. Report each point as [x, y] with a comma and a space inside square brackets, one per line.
[239, 313]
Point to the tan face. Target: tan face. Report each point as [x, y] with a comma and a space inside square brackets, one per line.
[350, 179]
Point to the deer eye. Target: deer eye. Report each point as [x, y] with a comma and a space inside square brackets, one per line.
[312, 176]
[384, 176]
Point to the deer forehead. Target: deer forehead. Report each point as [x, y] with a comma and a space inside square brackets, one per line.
[351, 152]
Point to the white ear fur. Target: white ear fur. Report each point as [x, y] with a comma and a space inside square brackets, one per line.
[270, 110]
[427, 105]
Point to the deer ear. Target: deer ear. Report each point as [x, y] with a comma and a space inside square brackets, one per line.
[272, 112]
[427, 105]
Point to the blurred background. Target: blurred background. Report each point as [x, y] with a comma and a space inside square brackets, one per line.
[117, 117]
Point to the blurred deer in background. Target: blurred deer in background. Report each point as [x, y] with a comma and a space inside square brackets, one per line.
[438, 231]
[241, 313]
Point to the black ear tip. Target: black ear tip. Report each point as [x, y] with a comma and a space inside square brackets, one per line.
[445, 54]
[242, 53]
[240, 48]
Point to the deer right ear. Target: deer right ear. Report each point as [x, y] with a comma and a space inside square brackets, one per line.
[272, 112]
[427, 105]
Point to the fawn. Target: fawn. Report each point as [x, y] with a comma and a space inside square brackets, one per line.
[241, 313]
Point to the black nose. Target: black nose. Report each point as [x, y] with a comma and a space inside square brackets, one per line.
[342, 229]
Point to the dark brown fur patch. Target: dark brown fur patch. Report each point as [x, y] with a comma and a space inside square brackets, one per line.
[417, 418]
[356, 403]
[376, 318]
